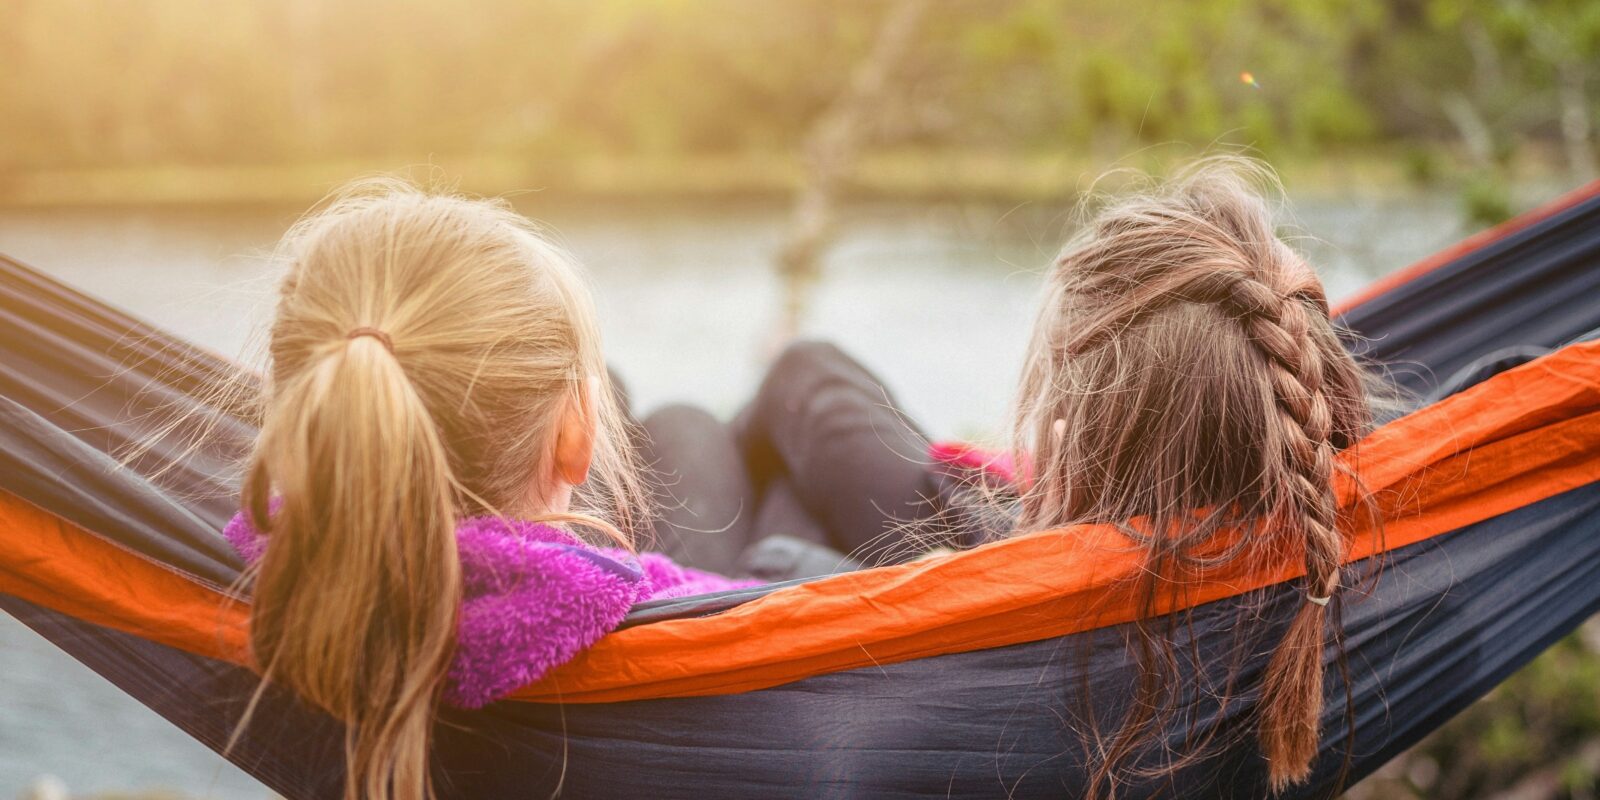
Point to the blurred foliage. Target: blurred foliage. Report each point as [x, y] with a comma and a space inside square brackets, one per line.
[90, 84]
[1536, 735]
[1485, 201]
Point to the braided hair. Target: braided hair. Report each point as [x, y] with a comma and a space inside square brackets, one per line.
[1185, 383]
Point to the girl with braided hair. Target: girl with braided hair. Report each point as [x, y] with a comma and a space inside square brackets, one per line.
[1184, 383]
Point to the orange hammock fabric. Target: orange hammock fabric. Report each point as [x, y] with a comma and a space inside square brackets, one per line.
[1520, 437]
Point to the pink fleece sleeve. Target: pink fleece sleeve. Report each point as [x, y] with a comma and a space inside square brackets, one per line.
[994, 465]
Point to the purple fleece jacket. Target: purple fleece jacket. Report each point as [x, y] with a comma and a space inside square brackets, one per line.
[533, 597]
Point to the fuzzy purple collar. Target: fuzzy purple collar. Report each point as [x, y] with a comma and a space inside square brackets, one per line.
[533, 598]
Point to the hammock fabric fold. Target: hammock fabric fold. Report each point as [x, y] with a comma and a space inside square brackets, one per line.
[960, 676]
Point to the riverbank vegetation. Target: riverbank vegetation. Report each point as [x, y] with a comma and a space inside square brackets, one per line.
[899, 174]
[169, 101]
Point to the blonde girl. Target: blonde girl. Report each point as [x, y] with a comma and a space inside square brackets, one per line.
[436, 393]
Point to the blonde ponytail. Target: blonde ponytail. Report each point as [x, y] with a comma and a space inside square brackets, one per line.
[356, 599]
[423, 351]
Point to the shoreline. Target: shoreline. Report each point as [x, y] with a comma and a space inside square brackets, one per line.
[891, 175]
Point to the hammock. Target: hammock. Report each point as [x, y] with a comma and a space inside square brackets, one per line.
[954, 677]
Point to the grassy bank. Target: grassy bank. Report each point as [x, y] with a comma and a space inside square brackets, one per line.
[903, 174]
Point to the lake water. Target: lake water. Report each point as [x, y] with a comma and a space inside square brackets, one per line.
[937, 299]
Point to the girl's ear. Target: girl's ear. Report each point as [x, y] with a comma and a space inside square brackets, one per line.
[575, 435]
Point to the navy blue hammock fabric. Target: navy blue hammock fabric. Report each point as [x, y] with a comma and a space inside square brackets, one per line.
[1441, 623]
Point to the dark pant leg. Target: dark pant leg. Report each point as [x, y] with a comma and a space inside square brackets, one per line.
[704, 496]
[858, 466]
[782, 513]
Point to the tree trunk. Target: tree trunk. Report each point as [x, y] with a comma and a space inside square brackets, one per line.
[1474, 131]
[829, 151]
[1576, 131]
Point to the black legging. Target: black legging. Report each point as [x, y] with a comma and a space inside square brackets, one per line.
[835, 460]
[704, 497]
[821, 454]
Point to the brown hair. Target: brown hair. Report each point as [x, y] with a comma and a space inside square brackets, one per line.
[1185, 382]
[423, 349]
